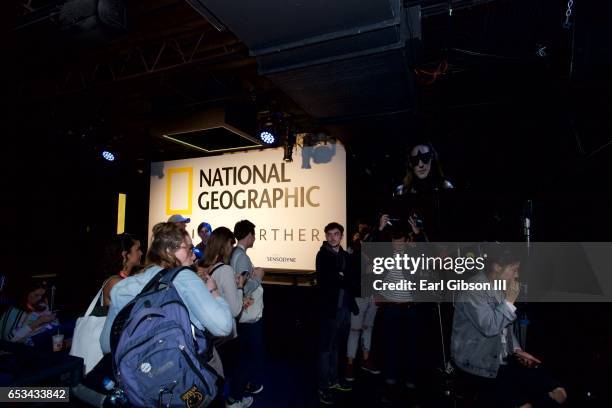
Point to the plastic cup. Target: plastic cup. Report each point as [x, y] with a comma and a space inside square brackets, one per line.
[58, 342]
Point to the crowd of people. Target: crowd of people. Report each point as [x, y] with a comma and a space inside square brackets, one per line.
[221, 292]
[486, 355]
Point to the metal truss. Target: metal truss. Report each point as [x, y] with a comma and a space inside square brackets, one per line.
[31, 11]
[164, 56]
[141, 61]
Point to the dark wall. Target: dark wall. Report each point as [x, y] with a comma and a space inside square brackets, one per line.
[62, 202]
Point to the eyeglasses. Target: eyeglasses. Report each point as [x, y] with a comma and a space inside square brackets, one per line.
[420, 157]
[188, 248]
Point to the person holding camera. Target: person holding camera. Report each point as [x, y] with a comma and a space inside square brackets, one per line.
[400, 318]
[485, 349]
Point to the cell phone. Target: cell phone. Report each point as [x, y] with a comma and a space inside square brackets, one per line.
[244, 273]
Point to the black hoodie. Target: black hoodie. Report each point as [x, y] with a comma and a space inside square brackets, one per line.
[333, 275]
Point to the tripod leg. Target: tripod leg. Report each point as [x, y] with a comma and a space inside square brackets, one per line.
[442, 336]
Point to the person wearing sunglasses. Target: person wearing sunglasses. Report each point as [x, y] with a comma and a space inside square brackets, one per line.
[424, 172]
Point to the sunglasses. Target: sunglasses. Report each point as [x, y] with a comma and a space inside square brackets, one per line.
[420, 157]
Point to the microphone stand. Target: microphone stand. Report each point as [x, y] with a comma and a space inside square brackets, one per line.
[524, 320]
[52, 300]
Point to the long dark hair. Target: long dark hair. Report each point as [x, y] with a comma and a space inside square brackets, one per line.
[23, 287]
[113, 261]
[435, 179]
[215, 249]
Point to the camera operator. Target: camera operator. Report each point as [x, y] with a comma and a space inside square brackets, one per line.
[485, 349]
[386, 224]
[400, 317]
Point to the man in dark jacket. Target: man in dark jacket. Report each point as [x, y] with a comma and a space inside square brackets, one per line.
[336, 302]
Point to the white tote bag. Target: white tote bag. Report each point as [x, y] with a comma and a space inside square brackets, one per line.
[86, 338]
[255, 311]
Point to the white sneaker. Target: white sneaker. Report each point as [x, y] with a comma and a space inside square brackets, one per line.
[245, 402]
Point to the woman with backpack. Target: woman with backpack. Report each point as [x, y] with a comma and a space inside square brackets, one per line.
[171, 247]
[214, 268]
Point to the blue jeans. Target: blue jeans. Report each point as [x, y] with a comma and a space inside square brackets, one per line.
[332, 332]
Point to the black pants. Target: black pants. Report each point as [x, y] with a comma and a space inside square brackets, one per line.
[401, 328]
[332, 331]
[235, 379]
[515, 385]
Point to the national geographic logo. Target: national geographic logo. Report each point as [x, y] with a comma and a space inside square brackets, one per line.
[214, 197]
[179, 191]
[280, 259]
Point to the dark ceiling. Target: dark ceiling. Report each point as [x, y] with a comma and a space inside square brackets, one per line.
[514, 102]
[461, 73]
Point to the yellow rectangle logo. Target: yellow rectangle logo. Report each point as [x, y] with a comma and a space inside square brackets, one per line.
[179, 191]
[121, 213]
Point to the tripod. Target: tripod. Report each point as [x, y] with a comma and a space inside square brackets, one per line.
[521, 330]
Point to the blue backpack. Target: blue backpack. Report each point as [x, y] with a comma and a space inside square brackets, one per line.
[159, 358]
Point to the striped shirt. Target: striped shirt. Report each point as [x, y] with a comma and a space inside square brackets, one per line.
[397, 276]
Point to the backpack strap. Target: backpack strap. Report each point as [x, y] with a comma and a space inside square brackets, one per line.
[124, 314]
[217, 266]
[152, 283]
[163, 277]
[171, 274]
